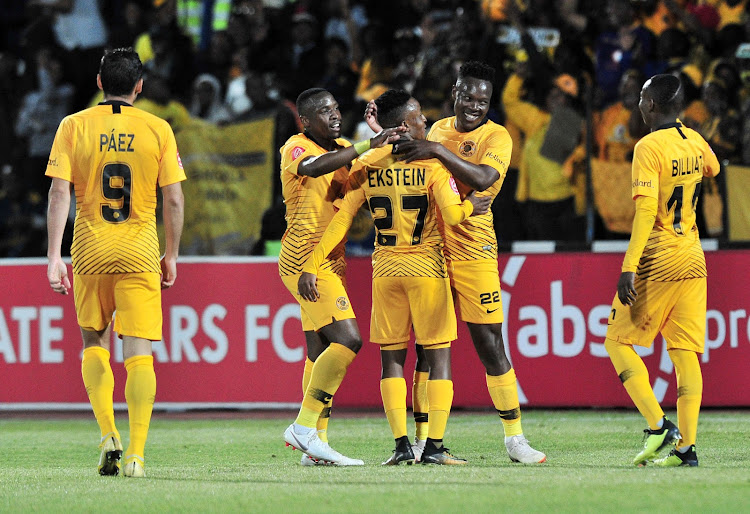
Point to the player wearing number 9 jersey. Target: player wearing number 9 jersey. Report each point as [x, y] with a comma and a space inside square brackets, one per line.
[662, 287]
[115, 156]
[410, 280]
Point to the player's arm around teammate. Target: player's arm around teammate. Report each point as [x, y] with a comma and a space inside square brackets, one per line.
[477, 153]
[315, 165]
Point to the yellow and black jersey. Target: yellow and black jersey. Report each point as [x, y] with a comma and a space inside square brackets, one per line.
[669, 164]
[309, 206]
[402, 198]
[488, 144]
[115, 155]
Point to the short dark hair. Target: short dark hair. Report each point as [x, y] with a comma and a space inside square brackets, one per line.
[477, 70]
[391, 106]
[120, 69]
[305, 99]
[667, 92]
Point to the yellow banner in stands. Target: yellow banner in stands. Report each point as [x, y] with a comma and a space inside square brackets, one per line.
[228, 186]
[738, 202]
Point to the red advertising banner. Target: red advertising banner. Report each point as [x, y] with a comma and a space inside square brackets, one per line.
[232, 337]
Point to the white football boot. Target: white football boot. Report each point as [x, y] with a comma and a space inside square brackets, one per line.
[520, 451]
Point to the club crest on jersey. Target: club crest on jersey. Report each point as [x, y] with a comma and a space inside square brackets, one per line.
[467, 148]
[296, 152]
[454, 186]
[342, 303]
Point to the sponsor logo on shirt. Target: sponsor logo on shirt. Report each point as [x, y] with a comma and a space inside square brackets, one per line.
[643, 183]
[52, 162]
[179, 161]
[296, 152]
[494, 157]
[467, 148]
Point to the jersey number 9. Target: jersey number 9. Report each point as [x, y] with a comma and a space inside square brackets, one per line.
[116, 179]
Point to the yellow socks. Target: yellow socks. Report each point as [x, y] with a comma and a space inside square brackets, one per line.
[327, 373]
[440, 398]
[325, 414]
[689, 393]
[100, 385]
[393, 392]
[306, 374]
[504, 394]
[140, 391]
[634, 376]
[420, 406]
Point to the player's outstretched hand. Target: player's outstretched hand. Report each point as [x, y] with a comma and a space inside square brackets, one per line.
[306, 287]
[168, 272]
[481, 203]
[626, 288]
[387, 136]
[418, 149]
[57, 275]
[371, 117]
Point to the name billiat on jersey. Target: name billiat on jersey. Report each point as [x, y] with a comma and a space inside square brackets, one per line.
[398, 176]
[687, 165]
[116, 142]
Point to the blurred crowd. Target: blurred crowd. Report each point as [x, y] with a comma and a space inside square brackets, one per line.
[569, 73]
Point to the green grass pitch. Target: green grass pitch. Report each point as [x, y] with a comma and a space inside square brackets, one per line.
[238, 463]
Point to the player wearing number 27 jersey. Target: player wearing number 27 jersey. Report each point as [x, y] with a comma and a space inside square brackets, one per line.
[410, 286]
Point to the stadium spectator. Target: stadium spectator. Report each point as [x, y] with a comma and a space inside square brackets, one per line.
[299, 61]
[199, 19]
[80, 30]
[251, 27]
[125, 28]
[40, 113]
[549, 195]
[172, 60]
[207, 100]
[622, 45]
[617, 130]
[340, 80]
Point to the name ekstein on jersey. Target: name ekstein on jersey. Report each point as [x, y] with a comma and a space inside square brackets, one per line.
[397, 176]
[116, 142]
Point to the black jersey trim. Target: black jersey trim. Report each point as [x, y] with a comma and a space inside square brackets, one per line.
[116, 105]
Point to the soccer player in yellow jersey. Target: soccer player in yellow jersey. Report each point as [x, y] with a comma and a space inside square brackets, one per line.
[662, 287]
[115, 156]
[410, 279]
[314, 169]
[476, 151]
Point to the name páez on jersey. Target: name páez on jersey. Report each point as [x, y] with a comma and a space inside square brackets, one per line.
[116, 142]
